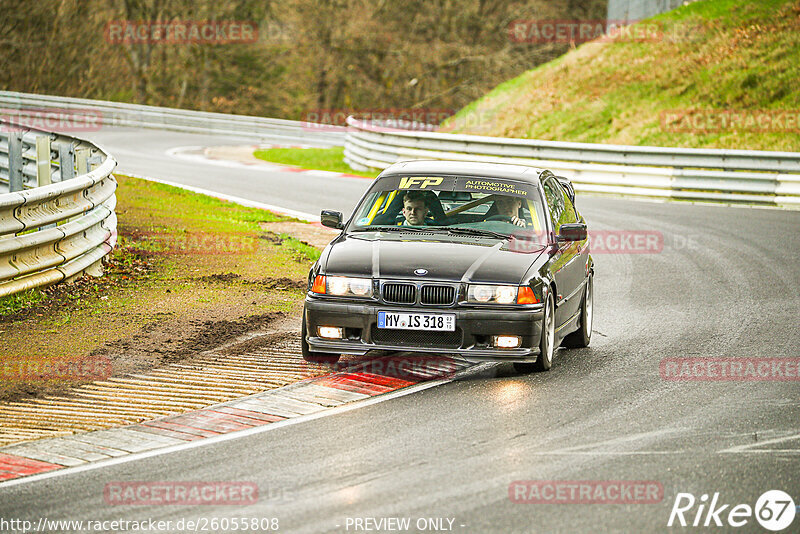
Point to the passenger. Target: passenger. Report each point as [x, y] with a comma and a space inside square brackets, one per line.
[508, 206]
[415, 209]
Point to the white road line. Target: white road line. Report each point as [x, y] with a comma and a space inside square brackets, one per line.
[750, 447]
[230, 198]
[602, 453]
[576, 450]
[227, 437]
[618, 440]
[751, 451]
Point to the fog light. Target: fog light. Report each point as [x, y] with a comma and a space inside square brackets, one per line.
[330, 332]
[507, 342]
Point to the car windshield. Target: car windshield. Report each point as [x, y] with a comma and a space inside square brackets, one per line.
[467, 206]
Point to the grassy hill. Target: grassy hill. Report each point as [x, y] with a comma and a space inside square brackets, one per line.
[716, 57]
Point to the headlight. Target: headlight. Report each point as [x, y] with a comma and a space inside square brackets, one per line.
[506, 294]
[481, 293]
[338, 285]
[361, 287]
[342, 286]
[500, 294]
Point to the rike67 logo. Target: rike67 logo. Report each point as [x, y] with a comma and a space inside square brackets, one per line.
[774, 510]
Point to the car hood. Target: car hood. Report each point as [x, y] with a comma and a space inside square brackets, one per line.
[444, 257]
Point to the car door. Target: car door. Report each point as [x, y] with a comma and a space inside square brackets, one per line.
[566, 260]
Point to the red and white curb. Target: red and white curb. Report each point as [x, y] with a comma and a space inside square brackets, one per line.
[299, 401]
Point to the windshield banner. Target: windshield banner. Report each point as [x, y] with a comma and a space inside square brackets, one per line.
[447, 183]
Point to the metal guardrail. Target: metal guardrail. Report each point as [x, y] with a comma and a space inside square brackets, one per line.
[750, 176]
[57, 221]
[100, 113]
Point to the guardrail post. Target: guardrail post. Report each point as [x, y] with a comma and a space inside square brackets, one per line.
[15, 182]
[66, 162]
[94, 159]
[43, 169]
[82, 159]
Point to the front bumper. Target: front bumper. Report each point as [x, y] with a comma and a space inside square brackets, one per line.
[471, 340]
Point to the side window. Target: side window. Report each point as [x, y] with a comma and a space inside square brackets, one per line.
[558, 201]
[555, 201]
[568, 215]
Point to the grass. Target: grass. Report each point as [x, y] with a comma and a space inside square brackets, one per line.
[319, 159]
[302, 248]
[21, 301]
[183, 262]
[723, 55]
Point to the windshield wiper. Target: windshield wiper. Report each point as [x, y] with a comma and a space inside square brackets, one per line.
[427, 229]
[477, 232]
[392, 229]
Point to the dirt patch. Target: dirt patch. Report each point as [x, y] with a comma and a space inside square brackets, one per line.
[283, 284]
[213, 334]
[221, 277]
[170, 341]
[272, 238]
[313, 234]
[180, 282]
[161, 342]
[259, 343]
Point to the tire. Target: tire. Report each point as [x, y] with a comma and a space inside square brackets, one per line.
[546, 343]
[314, 357]
[583, 335]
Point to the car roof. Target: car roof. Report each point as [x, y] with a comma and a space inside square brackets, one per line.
[465, 168]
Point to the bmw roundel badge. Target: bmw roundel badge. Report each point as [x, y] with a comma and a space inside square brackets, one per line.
[420, 272]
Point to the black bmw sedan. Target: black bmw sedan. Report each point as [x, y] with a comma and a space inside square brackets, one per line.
[489, 262]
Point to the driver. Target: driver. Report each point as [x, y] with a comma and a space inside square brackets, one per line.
[415, 208]
[508, 206]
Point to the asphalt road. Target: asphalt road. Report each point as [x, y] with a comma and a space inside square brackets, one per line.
[724, 285]
[144, 152]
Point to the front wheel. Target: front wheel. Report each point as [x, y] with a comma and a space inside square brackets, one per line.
[583, 335]
[314, 357]
[545, 360]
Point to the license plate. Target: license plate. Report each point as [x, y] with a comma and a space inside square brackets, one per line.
[417, 321]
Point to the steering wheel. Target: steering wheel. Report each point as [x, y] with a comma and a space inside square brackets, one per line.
[504, 218]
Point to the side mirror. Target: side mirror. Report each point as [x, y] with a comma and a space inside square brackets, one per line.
[573, 232]
[331, 219]
[568, 187]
